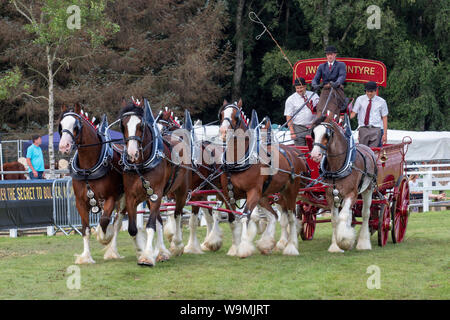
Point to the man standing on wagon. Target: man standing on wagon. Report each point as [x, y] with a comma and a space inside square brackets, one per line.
[299, 116]
[372, 113]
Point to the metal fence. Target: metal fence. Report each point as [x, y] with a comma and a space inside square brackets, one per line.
[65, 213]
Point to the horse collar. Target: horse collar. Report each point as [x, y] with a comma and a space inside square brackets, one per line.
[99, 170]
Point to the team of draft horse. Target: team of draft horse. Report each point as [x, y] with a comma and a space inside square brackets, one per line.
[159, 159]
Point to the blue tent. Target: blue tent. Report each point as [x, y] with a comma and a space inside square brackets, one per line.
[113, 135]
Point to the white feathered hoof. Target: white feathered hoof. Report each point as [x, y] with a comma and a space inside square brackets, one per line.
[176, 250]
[162, 257]
[335, 249]
[192, 249]
[146, 262]
[84, 259]
[281, 244]
[345, 237]
[265, 246]
[232, 252]
[111, 254]
[364, 245]
[204, 247]
[214, 243]
[245, 249]
[102, 237]
[290, 250]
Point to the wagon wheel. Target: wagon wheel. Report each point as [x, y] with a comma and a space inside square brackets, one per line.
[308, 222]
[400, 211]
[384, 224]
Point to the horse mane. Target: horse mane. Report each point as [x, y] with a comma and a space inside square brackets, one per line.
[131, 107]
[318, 121]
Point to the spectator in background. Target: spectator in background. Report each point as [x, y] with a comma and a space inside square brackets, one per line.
[414, 185]
[35, 159]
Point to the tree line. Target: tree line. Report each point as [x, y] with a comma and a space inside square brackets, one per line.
[193, 54]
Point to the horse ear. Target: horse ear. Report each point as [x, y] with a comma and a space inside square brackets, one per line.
[148, 114]
[254, 120]
[240, 103]
[124, 102]
[187, 120]
[77, 108]
[225, 102]
[64, 108]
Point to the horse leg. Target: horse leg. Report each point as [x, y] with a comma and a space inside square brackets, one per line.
[85, 257]
[105, 230]
[177, 246]
[334, 218]
[150, 253]
[267, 242]
[364, 233]
[164, 254]
[138, 236]
[281, 244]
[246, 247]
[111, 251]
[291, 248]
[345, 234]
[214, 241]
[169, 226]
[209, 222]
[193, 245]
[236, 231]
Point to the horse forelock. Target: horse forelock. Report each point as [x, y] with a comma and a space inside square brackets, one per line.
[132, 108]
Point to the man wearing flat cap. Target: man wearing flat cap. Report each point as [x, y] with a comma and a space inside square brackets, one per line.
[332, 73]
[372, 114]
[299, 108]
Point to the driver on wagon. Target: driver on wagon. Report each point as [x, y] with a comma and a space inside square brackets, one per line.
[333, 73]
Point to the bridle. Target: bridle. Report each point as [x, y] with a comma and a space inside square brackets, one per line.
[78, 126]
[329, 132]
[237, 117]
[140, 140]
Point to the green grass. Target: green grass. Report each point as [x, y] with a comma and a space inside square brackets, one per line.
[34, 267]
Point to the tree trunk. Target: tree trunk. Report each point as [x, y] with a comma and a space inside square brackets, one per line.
[239, 58]
[326, 29]
[51, 152]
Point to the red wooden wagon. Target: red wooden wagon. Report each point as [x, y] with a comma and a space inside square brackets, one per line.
[389, 212]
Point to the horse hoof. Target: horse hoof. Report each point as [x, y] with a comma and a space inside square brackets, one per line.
[162, 258]
[145, 263]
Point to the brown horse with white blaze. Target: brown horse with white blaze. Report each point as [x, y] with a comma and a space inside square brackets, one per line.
[256, 181]
[97, 179]
[151, 172]
[351, 170]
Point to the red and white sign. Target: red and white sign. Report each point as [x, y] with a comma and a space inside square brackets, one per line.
[358, 70]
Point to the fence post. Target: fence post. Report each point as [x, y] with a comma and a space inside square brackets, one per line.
[426, 192]
[13, 233]
[50, 230]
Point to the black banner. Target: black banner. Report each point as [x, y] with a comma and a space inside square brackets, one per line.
[26, 204]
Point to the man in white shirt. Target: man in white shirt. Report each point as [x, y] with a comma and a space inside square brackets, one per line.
[372, 114]
[299, 117]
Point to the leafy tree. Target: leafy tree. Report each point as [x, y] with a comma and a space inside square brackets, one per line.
[51, 23]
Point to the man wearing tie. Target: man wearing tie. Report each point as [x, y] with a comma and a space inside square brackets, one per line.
[332, 72]
[372, 113]
[299, 116]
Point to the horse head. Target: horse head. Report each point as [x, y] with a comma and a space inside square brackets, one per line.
[70, 127]
[322, 132]
[332, 103]
[231, 115]
[167, 121]
[133, 126]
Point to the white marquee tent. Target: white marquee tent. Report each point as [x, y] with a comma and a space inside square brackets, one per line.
[425, 145]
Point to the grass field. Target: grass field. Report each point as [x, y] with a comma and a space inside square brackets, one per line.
[35, 267]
